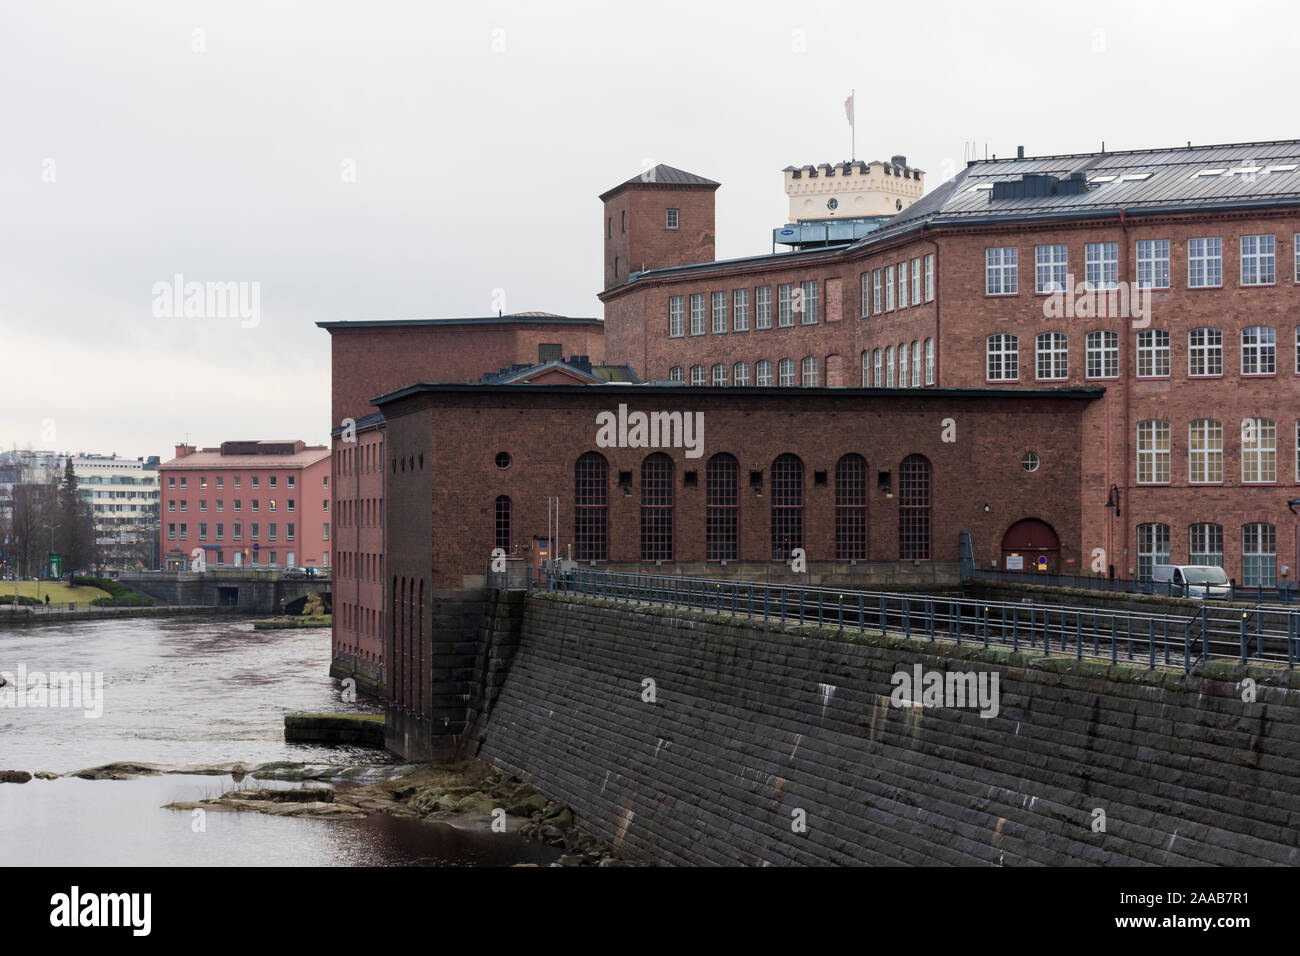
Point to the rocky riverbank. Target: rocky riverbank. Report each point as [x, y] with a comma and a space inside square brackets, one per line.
[468, 795]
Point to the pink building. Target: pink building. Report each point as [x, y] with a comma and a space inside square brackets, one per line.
[263, 503]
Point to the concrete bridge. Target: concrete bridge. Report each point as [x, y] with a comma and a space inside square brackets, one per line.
[264, 590]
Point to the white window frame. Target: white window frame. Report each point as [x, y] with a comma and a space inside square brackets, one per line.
[1153, 263]
[929, 276]
[677, 374]
[740, 374]
[1002, 270]
[1101, 266]
[916, 281]
[698, 305]
[1201, 538]
[719, 312]
[1258, 566]
[1258, 452]
[740, 310]
[762, 307]
[902, 284]
[1051, 268]
[876, 302]
[672, 218]
[877, 367]
[1101, 351]
[1004, 348]
[1154, 452]
[721, 375]
[785, 305]
[1155, 352]
[866, 368]
[889, 288]
[698, 374]
[1205, 262]
[1259, 351]
[929, 361]
[785, 373]
[1205, 452]
[1053, 350]
[1206, 346]
[1150, 550]
[676, 316]
[1259, 260]
[810, 302]
[864, 282]
[763, 373]
[902, 365]
[916, 363]
[808, 373]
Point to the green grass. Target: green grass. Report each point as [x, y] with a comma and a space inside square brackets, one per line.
[59, 592]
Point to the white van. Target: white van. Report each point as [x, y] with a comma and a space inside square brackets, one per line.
[1199, 581]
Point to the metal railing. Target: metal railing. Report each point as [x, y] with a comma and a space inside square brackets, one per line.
[1282, 594]
[1261, 635]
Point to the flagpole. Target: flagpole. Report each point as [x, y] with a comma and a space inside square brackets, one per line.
[853, 127]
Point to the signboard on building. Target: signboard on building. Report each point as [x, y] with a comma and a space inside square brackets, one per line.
[1015, 562]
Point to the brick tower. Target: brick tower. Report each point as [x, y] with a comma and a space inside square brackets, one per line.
[661, 217]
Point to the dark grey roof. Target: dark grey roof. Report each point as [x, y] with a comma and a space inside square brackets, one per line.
[662, 175]
[519, 318]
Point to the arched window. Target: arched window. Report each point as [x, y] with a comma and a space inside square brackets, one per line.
[787, 506]
[889, 367]
[785, 372]
[722, 508]
[1259, 555]
[657, 507]
[1002, 353]
[878, 375]
[866, 368]
[591, 508]
[809, 379]
[914, 508]
[1205, 544]
[1052, 356]
[1153, 455]
[677, 374]
[721, 373]
[1205, 451]
[929, 361]
[1153, 548]
[916, 364]
[851, 508]
[763, 373]
[902, 365]
[503, 523]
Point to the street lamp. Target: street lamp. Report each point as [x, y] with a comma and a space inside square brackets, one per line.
[51, 528]
[1291, 506]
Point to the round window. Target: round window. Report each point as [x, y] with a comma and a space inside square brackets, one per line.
[503, 460]
[1029, 462]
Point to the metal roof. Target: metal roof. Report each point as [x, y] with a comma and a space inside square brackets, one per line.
[519, 318]
[662, 175]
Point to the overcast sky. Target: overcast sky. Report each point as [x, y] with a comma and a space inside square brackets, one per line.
[373, 160]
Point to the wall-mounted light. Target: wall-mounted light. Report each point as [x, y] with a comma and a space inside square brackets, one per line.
[986, 509]
[1112, 499]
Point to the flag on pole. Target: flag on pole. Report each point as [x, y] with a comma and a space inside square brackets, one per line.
[848, 109]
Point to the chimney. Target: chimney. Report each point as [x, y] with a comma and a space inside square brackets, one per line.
[184, 450]
[1020, 152]
[898, 160]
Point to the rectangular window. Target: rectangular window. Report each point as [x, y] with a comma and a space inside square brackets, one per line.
[929, 361]
[171, 504]
[671, 218]
[203, 531]
[1295, 244]
[237, 531]
[1258, 451]
[902, 365]
[697, 314]
[1259, 350]
[289, 531]
[719, 312]
[253, 482]
[1153, 548]
[676, 316]
[171, 482]
[1003, 358]
[171, 531]
[877, 363]
[1205, 352]
[325, 531]
[1205, 451]
[1103, 354]
[1050, 266]
[221, 531]
[221, 505]
[785, 304]
[1153, 263]
[185, 530]
[763, 307]
[865, 282]
[1153, 353]
[810, 304]
[1000, 271]
[889, 288]
[889, 367]
[916, 364]
[916, 281]
[254, 530]
[1205, 263]
[740, 310]
[290, 481]
[1259, 555]
[877, 302]
[902, 284]
[1101, 265]
[270, 531]
[1258, 260]
[929, 277]
[203, 504]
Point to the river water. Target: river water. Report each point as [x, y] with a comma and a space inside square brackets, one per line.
[183, 691]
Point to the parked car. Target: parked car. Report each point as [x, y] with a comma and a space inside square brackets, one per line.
[295, 572]
[1198, 581]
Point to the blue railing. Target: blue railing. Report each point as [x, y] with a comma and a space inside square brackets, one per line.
[1261, 635]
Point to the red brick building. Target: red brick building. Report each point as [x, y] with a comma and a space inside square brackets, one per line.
[372, 357]
[1194, 446]
[245, 503]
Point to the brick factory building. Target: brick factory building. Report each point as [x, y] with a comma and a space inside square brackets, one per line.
[1194, 446]
[245, 503]
[1138, 310]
